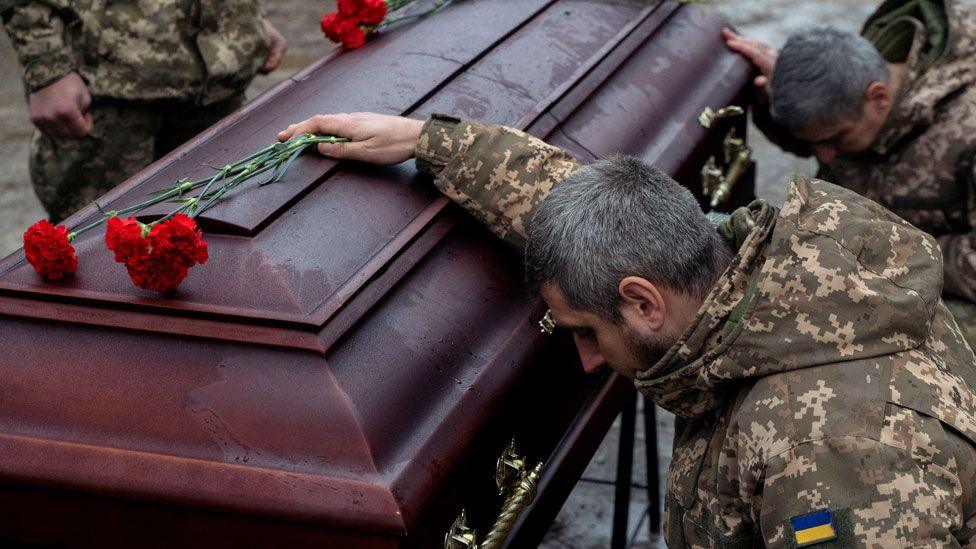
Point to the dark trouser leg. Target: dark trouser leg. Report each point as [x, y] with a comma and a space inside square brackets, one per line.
[180, 124]
[68, 174]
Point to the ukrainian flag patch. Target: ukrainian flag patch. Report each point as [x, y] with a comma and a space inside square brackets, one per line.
[813, 528]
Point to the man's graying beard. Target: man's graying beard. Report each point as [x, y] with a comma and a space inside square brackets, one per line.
[649, 350]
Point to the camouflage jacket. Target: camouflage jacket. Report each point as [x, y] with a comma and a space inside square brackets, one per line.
[871, 414]
[192, 51]
[921, 166]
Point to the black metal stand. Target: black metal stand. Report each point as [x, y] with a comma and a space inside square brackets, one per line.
[625, 466]
[653, 478]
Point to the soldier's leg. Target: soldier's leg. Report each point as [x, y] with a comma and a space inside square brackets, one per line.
[965, 314]
[69, 174]
[183, 123]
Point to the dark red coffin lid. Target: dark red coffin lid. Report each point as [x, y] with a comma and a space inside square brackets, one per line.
[313, 342]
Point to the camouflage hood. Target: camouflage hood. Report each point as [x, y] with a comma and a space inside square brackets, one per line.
[830, 278]
[940, 39]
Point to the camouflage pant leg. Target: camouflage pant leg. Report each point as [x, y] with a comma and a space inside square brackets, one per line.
[68, 174]
[965, 314]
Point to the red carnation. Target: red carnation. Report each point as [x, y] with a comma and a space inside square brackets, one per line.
[172, 248]
[353, 36]
[48, 250]
[155, 273]
[124, 237]
[181, 240]
[367, 12]
[339, 28]
[330, 26]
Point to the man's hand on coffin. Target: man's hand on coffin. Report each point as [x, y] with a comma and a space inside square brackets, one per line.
[373, 138]
[760, 54]
[277, 46]
[60, 109]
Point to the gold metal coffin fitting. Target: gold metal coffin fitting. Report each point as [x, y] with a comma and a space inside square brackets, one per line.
[518, 484]
[709, 116]
[719, 185]
[548, 324]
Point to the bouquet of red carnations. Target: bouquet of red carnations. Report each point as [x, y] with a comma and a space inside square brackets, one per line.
[159, 254]
[357, 19]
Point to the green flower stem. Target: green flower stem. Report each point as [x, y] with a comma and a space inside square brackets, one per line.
[437, 6]
[269, 158]
[393, 5]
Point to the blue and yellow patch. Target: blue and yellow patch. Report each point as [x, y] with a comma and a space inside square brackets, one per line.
[813, 528]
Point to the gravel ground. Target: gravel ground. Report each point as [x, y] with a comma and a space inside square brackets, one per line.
[585, 521]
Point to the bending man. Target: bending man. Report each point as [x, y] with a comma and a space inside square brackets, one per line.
[824, 390]
[891, 116]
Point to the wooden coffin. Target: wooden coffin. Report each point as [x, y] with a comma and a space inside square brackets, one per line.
[349, 364]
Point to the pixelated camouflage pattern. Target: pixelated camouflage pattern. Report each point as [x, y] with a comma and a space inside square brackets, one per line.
[869, 412]
[195, 51]
[822, 371]
[485, 169]
[69, 174]
[921, 164]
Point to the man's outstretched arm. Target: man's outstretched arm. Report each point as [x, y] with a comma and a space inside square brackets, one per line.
[498, 174]
[763, 57]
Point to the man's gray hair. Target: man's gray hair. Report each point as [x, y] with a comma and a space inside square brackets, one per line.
[615, 218]
[821, 75]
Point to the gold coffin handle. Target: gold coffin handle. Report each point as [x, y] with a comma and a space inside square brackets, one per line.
[719, 185]
[709, 115]
[518, 484]
[515, 503]
[460, 536]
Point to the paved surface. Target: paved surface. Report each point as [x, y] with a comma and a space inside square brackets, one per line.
[585, 521]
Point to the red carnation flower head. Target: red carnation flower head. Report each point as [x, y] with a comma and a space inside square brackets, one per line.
[330, 26]
[49, 251]
[345, 30]
[179, 239]
[171, 249]
[124, 237]
[366, 12]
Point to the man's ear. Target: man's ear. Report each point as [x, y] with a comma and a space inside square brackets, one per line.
[878, 96]
[641, 302]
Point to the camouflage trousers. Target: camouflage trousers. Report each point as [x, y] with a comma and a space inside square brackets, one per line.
[68, 174]
[965, 314]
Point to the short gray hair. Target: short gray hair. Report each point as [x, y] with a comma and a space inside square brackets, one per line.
[821, 75]
[615, 218]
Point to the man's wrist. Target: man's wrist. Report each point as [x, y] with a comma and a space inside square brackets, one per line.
[42, 72]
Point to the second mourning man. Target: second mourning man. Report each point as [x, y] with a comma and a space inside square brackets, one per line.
[113, 86]
[823, 390]
[892, 116]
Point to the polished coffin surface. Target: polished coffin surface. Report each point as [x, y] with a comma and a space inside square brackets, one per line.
[353, 333]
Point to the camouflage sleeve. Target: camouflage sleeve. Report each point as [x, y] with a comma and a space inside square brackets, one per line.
[497, 173]
[37, 35]
[912, 488]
